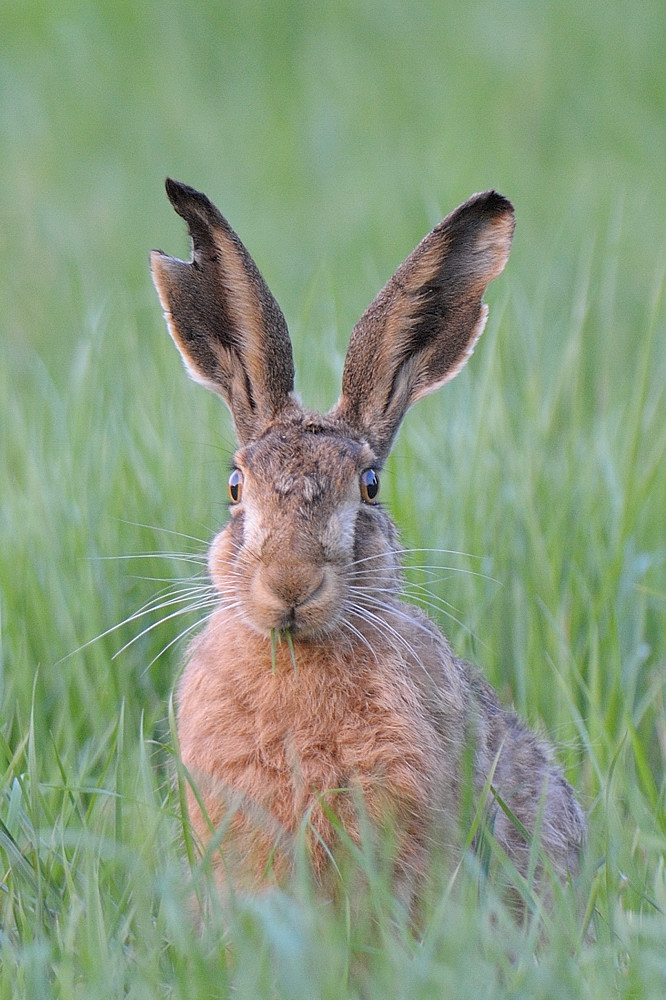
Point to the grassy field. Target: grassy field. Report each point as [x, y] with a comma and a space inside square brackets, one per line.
[333, 136]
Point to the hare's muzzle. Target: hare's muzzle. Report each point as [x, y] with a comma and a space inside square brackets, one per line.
[295, 596]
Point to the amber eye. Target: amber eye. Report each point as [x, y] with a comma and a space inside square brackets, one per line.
[236, 485]
[369, 486]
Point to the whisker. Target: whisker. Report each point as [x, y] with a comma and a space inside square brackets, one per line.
[442, 607]
[426, 626]
[381, 624]
[401, 592]
[419, 551]
[164, 600]
[172, 642]
[417, 590]
[194, 557]
[359, 635]
[210, 603]
[435, 604]
[166, 531]
[425, 568]
[200, 577]
[396, 609]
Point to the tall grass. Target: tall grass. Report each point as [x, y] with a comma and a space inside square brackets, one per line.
[333, 137]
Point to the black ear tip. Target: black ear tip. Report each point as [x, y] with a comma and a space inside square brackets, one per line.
[192, 206]
[487, 208]
[496, 204]
[177, 192]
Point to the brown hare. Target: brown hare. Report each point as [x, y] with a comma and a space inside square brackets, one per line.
[313, 676]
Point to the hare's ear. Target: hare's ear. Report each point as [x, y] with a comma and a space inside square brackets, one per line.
[225, 322]
[423, 325]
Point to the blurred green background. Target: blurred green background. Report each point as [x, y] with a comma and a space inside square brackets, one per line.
[334, 136]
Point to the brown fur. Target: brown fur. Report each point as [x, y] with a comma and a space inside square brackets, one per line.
[369, 700]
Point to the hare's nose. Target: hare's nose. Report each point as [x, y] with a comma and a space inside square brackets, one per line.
[292, 585]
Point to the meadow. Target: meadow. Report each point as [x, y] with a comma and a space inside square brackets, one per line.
[333, 137]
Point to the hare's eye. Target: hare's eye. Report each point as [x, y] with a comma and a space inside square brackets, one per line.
[236, 485]
[369, 486]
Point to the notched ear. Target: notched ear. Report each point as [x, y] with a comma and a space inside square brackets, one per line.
[423, 325]
[225, 322]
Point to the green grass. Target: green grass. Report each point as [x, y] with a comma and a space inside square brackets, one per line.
[333, 137]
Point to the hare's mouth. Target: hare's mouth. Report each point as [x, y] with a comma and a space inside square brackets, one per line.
[295, 623]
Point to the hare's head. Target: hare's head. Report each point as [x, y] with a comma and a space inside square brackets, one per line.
[308, 548]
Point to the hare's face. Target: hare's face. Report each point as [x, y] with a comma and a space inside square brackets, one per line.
[305, 547]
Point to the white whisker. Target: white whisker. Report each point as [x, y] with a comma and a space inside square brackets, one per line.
[165, 531]
[359, 635]
[210, 603]
[193, 557]
[382, 625]
[166, 600]
[181, 634]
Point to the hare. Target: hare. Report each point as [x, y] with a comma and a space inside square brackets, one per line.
[313, 685]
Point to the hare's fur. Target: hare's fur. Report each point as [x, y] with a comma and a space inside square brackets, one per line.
[365, 701]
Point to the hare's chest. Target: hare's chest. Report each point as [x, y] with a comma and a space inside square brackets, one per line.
[288, 737]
